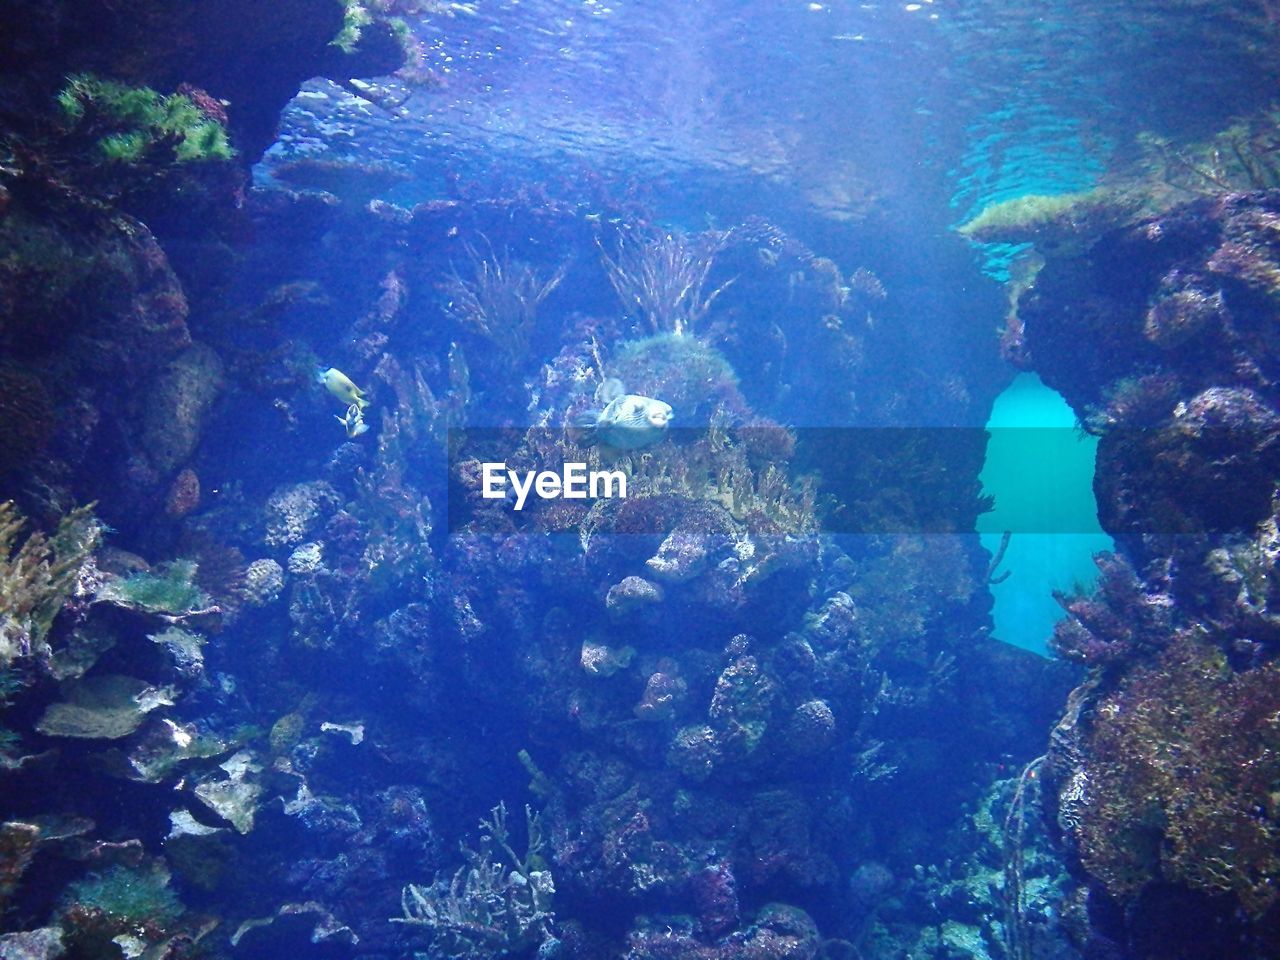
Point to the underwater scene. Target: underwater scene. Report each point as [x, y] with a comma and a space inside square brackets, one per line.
[619, 480]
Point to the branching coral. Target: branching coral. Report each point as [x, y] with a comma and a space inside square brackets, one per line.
[1120, 618]
[501, 299]
[495, 903]
[38, 576]
[660, 276]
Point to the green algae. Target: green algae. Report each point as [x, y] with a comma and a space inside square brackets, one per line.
[132, 124]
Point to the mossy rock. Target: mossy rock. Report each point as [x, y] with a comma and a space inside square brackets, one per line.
[681, 370]
[136, 124]
[168, 588]
[1058, 222]
[107, 707]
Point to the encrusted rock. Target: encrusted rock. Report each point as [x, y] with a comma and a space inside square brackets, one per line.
[632, 593]
[177, 404]
[296, 511]
[297, 927]
[683, 555]
[105, 707]
[42, 944]
[184, 647]
[604, 661]
[17, 847]
[263, 582]
[233, 797]
[695, 751]
[662, 693]
[308, 558]
[183, 495]
[812, 728]
[353, 731]
[183, 824]
[165, 744]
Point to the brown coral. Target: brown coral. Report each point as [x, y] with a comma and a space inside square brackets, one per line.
[1179, 780]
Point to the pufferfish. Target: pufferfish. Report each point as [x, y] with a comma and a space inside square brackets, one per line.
[340, 385]
[627, 421]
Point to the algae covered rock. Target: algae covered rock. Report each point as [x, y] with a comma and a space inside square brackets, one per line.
[233, 796]
[42, 944]
[106, 707]
[602, 660]
[17, 846]
[631, 594]
[263, 581]
[168, 588]
[177, 404]
[296, 511]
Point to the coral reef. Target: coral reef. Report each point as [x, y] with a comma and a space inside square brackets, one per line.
[720, 707]
[1178, 782]
[1161, 769]
[498, 902]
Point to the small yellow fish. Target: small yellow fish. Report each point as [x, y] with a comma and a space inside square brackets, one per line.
[353, 421]
[340, 385]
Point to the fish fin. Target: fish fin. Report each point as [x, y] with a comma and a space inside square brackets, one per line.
[361, 402]
[611, 389]
[359, 428]
[341, 420]
[582, 429]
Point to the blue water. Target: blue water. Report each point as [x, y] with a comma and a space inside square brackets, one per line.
[1039, 468]
[774, 702]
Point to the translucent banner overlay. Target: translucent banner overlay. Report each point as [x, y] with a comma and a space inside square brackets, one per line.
[874, 480]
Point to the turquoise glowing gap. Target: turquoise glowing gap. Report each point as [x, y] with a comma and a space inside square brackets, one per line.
[1039, 468]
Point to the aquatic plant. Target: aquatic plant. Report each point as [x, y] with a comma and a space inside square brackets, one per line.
[127, 894]
[169, 588]
[133, 124]
[1119, 618]
[683, 371]
[659, 276]
[1179, 778]
[1240, 157]
[1060, 221]
[500, 300]
[37, 576]
[497, 902]
[355, 17]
